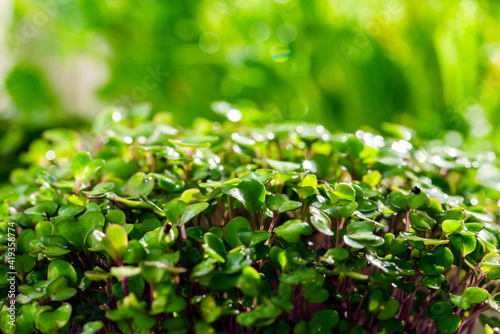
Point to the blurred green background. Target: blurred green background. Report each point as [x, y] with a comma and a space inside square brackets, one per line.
[432, 65]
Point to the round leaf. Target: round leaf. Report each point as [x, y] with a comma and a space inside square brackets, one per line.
[293, 229]
[232, 228]
[59, 268]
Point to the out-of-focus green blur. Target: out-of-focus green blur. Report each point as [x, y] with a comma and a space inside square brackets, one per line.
[432, 65]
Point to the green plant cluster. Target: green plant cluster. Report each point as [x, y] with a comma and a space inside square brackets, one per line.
[277, 229]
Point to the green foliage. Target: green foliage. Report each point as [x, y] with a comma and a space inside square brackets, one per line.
[430, 66]
[206, 231]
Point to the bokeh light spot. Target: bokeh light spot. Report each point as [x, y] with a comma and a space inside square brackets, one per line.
[117, 116]
[235, 55]
[256, 51]
[286, 33]
[234, 115]
[50, 155]
[210, 42]
[260, 31]
[280, 52]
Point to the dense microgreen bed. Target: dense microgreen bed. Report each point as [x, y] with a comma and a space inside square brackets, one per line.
[226, 228]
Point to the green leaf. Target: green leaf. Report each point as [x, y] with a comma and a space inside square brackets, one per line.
[209, 309]
[44, 228]
[469, 242]
[279, 258]
[281, 203]
[46, 208]
[476, 295]
[174, 210]
[307, 186]
[320, 221]
[339, 254]
[127, 203]
[100, 189]
[283, 166]
[59, 268]
[204, 268]
[78, 232]
[53, 320]
[421, 222]
[261, 175]
[232, 228]
[427, 265]
[135, 253]
[345, 191]
[250, 192]
[79, 163]
[491, 260]
[366, 205]
[440, 309]
[299, 275]
[83, 167]
[253, 238]
[195, 140]
[139, 184]
[468, 297]
[180, 213]
[117, 217]
[375, 301]
[411, 237]
[92, 327]
[464, 244]
[388, 309]
[360, 227]
[317, 296]
[192, 196]
[192, 211]
[326, 319]
[55, 245]
[166, 182]
[125, 271]
[451, 226]
[214, 247]
[63, 294]
[460, 301]
[444, 257]
[372, 178]
[293, 229]
[56, 284]
[23, 242]
[203, 328]
[363, 239]
[249, 281]
[114, 242]
[197, 233]
[448, 324]
[418, 201]
[97, 274]
[71, 210]
[54, 241]
[341, 209]
[398, 201]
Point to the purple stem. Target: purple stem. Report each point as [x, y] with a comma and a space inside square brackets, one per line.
[124, 280]
[124, 286]
[472, 272]
[479, 280]
[407, 221]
